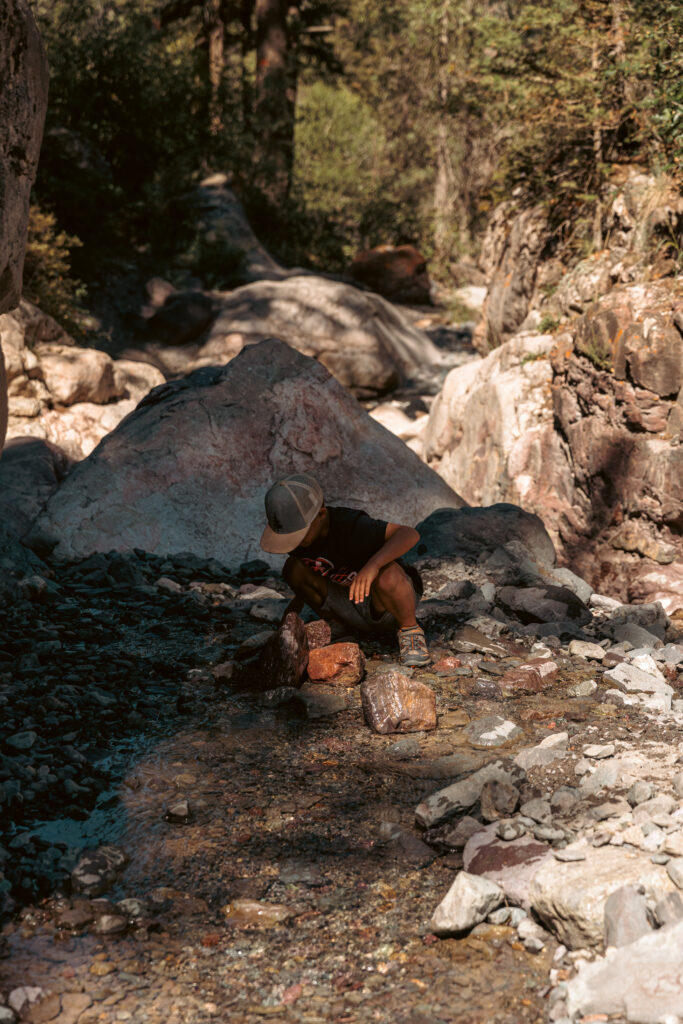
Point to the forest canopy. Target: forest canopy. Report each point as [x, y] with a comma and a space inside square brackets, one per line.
[347, 123]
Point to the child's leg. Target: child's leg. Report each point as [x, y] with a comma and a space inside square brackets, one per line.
[310, 586]
[393, 591]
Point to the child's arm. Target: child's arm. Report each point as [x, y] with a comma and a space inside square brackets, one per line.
[398, 540]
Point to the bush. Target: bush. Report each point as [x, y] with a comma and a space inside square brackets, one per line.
[47, 273]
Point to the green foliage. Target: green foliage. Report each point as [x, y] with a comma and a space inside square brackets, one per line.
[532, 357]
[548, 324]
[346, 194]
[47, 273]
[218, 264]
[414, 118]
[126, 125]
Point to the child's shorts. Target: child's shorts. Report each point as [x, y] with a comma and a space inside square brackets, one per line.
[360, 618]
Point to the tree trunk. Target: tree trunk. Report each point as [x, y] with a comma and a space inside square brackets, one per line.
[215, 38]
[274, 103]
[597, 149]
[444, 182]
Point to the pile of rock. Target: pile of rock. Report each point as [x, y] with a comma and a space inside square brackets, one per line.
[61, 392]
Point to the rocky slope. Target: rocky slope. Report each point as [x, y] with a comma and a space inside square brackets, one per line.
[62, 392]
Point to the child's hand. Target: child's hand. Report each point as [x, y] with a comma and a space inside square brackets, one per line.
[362, 582]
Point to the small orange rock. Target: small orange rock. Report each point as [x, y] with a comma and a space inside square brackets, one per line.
[341, 664]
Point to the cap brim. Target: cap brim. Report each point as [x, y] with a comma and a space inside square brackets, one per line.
[282, 543]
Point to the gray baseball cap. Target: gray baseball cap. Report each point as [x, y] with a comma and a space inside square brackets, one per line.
[291, 506]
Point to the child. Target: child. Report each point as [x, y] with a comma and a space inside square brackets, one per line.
[344, 564]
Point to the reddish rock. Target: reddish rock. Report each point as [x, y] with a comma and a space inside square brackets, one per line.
[319, 634]
[481, 687]
[341, 664]
[537, 675]
[284, 658]
[394, 703]
[398, 272]
[447, 664]
[511, 865]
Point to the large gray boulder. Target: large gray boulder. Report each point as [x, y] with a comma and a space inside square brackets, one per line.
[188, 470]
[364, 341]
[23, 102]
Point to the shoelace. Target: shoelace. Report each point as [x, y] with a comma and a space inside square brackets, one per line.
[413, 641]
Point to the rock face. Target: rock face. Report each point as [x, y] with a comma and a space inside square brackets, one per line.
[616, 379]
[491, 429]
[511, 252]
[226, 433]
[23, 102]
[586, 436]
[362, 340]
[61, 392]
[398, 272]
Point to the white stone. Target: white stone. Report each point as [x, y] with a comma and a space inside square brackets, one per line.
[584, 649]
[549, 749]
[633, 680]
[19, 998]
[569, 898]
[641, 982]
[599, 751]
[646, 663]
[468, 902]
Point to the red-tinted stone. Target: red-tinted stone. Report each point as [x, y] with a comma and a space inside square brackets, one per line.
[397, 272]
[319, 634]
[341, 664]
[394, 703]
[537, 675]
[446, 664]
[284, 659]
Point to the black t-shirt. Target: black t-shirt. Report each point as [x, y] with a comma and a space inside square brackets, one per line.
[353, 538]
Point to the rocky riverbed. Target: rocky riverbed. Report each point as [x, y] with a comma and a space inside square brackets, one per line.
[176, 848]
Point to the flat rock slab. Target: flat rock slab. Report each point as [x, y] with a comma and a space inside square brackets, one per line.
[468, 639]
[570, 898]
[510, 864]
[394, 703]
[642, 982]
[548, 750]
[492, 731]
[461, 796]
[633, 680]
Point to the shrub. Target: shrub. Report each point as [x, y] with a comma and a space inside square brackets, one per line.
[47, 273]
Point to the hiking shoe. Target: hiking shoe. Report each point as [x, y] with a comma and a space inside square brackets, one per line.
[412, 646]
